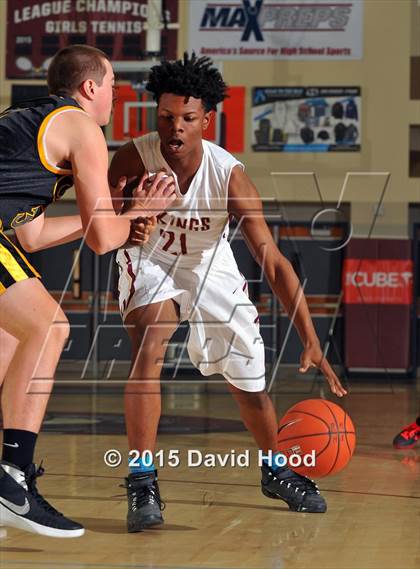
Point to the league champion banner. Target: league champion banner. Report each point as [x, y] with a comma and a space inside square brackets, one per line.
[276, 29]
[306, 119]
[37, 29]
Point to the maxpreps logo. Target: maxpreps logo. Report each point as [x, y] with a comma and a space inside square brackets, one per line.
[254, 17]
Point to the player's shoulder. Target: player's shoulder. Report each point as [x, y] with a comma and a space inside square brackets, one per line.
[148, 137]
[148, 140]
[76, 123]
[219, 156]
[39, 110]
[74, 132]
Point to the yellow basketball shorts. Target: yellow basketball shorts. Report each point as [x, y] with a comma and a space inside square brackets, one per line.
[14, 266]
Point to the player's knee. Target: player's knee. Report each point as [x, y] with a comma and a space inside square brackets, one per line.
[62, 330]
[148, 361]
[54, 326]
[152, 346]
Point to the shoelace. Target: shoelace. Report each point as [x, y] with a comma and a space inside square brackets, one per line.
[144, 495]
[299, 483]
[31, 483]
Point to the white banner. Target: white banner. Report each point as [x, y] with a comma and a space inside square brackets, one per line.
[276, 29]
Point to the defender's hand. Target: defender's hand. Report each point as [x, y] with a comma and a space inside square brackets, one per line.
[141, 228]
[312, 356]
[152, 196]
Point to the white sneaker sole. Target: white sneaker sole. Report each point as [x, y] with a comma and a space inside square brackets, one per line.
[9, 518]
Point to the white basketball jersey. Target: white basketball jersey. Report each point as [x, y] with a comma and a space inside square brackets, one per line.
[197, 222]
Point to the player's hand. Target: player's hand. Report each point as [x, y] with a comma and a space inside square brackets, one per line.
[120, 185]
[141, 228]
[154, 195]
[312, 356]
[117, 192]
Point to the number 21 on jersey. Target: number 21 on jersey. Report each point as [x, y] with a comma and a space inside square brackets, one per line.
[169, 237]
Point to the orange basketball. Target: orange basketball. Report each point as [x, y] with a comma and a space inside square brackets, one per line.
[321, 430]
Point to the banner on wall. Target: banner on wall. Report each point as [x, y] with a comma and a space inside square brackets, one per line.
[37, 29]
[378, 281]
[276, 29]
[306, 119]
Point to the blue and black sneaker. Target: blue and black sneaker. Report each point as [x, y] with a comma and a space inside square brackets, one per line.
[300, 493]
[144, 501]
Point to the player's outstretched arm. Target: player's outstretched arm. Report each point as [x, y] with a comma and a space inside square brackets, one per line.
[245, 205]
[103, 229]
[44, 232]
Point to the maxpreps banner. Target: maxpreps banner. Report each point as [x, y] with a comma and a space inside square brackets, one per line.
[378, 281]
[37, 29]
[276, 29]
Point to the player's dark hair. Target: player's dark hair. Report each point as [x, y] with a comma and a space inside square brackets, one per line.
[74, 64]
[191, 76]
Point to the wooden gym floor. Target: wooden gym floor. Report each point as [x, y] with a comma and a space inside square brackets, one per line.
[218, 518]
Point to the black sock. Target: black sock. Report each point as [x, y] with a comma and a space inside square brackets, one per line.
[418, 421]
[19, 447]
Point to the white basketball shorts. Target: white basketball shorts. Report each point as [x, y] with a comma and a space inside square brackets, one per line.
[224, 325]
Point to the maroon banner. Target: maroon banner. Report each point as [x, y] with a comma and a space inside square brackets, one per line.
[378, 281]
[36, 30]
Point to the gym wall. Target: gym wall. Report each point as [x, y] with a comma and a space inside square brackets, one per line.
[383, 74]
[386, 75]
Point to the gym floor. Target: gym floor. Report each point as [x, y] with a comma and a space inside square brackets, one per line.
[217, 517]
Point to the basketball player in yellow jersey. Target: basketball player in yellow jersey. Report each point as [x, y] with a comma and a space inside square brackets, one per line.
[45, 146]
[187, 271]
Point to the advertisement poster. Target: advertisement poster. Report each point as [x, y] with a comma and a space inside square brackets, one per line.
[378, 281]
[276, 29]
[37, 29]
[306, 119]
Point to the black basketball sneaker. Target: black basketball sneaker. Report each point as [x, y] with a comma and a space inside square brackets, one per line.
[23, 507]
[300, 493]
[144, 501]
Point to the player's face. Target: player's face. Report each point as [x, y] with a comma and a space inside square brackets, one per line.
[105, 96]
[181, 122]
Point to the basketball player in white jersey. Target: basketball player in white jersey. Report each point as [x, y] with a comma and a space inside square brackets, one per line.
[186, 271]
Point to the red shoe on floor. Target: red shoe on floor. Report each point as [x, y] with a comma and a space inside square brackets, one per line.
[408, 437]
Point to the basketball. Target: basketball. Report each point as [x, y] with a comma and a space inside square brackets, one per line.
[319, 428]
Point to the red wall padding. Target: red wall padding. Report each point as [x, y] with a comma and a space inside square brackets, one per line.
[378, 294]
